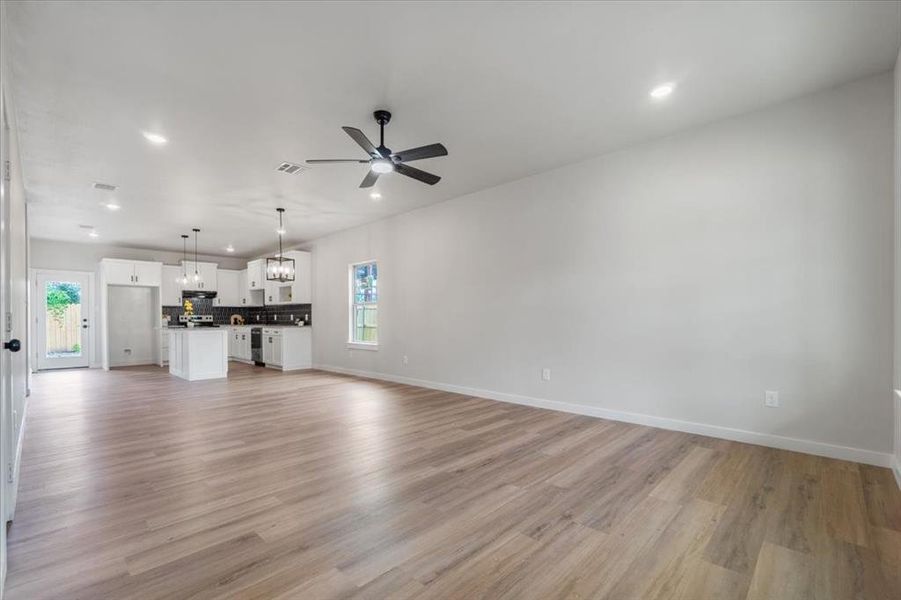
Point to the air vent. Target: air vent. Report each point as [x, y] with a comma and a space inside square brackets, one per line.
[290, 168]
[105, 186]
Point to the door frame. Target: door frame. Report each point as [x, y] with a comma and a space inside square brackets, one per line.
[6, 426]
[89, 307]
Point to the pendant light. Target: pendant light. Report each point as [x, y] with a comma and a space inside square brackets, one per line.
[279, 268]
[183, 280]
[196, 272]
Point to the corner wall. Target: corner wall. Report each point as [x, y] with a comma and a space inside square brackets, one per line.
[896, 461]
[670, 283]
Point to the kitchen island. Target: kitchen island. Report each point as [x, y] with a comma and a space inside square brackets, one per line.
[197, 353]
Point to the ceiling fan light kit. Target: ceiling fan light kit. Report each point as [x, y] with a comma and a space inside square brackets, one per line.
[279, 268]
[382, 160]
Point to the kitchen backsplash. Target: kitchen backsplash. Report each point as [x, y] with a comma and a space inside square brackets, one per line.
[263, 315]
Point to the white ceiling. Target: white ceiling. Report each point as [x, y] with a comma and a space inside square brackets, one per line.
[510, 88]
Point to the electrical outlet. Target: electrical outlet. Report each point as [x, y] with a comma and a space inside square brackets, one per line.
[406, 360]
[545, 374]
[771, 399]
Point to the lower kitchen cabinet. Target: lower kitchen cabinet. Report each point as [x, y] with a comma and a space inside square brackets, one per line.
[288, 348]
[239, 344]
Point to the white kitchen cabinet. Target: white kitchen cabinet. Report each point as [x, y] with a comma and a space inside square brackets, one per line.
[170, 286]
[256, 274]
[148, 273]
[239, 343]
[272, 347]
[277, 292]
[244, 350]
[288, 348]
[131, 272]
[228, 292]
[249, 297]
[298, 291]
[208, 275]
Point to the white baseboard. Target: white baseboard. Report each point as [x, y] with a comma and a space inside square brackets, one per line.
[860, 455]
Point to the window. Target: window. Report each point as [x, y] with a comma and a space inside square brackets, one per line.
[364, 300]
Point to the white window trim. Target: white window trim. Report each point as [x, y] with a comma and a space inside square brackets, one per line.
[371, 346]
[351, 344]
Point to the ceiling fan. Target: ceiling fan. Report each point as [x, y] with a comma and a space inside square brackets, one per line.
[382, 160]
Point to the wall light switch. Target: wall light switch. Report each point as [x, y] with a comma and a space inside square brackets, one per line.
[771, 399]
[545, 374]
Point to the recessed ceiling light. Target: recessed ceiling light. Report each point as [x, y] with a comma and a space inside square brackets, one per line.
[375, 196]
[113, 206]
[663, 90]
[230, 248]
[154, 138]
[93, 234]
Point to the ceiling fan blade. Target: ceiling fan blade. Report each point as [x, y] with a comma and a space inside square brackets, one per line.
[422, 152]
[360, 138]
[318, 161]
[417, 174]
[370, 179]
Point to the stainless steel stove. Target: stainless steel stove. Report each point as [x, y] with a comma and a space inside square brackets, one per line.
[198, 320]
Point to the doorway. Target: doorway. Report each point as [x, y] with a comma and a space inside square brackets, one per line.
[64, 311]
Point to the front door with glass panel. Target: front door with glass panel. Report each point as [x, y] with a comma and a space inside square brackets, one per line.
[63, 319]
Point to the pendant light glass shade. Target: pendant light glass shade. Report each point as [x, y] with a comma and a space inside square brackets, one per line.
[279, 268]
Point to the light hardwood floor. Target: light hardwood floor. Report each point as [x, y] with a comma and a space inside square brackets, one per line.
[135, 484]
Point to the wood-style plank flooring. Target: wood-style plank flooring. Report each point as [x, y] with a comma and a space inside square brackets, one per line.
[135, 484]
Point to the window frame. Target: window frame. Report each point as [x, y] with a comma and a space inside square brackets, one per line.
[353, 344]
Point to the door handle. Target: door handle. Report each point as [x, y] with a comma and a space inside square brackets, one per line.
[12, 345]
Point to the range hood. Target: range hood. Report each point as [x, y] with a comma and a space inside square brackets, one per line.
[198, 294]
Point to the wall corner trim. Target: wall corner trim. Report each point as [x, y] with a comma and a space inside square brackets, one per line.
[859, 455]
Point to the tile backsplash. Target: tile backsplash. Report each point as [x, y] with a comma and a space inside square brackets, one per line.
[263, 315]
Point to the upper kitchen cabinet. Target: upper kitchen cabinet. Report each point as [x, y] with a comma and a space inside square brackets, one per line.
[256, 274]
[228, 291]
[170, 287]
[208, 275]
[131, 272]
[249, 297]
[293, 292]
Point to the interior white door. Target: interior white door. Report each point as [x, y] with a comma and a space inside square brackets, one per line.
[6, 428]
[64, 311]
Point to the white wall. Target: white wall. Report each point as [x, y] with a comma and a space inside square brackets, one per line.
[897, 379]
[131, 312]
[678, 279]
[69, 256]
